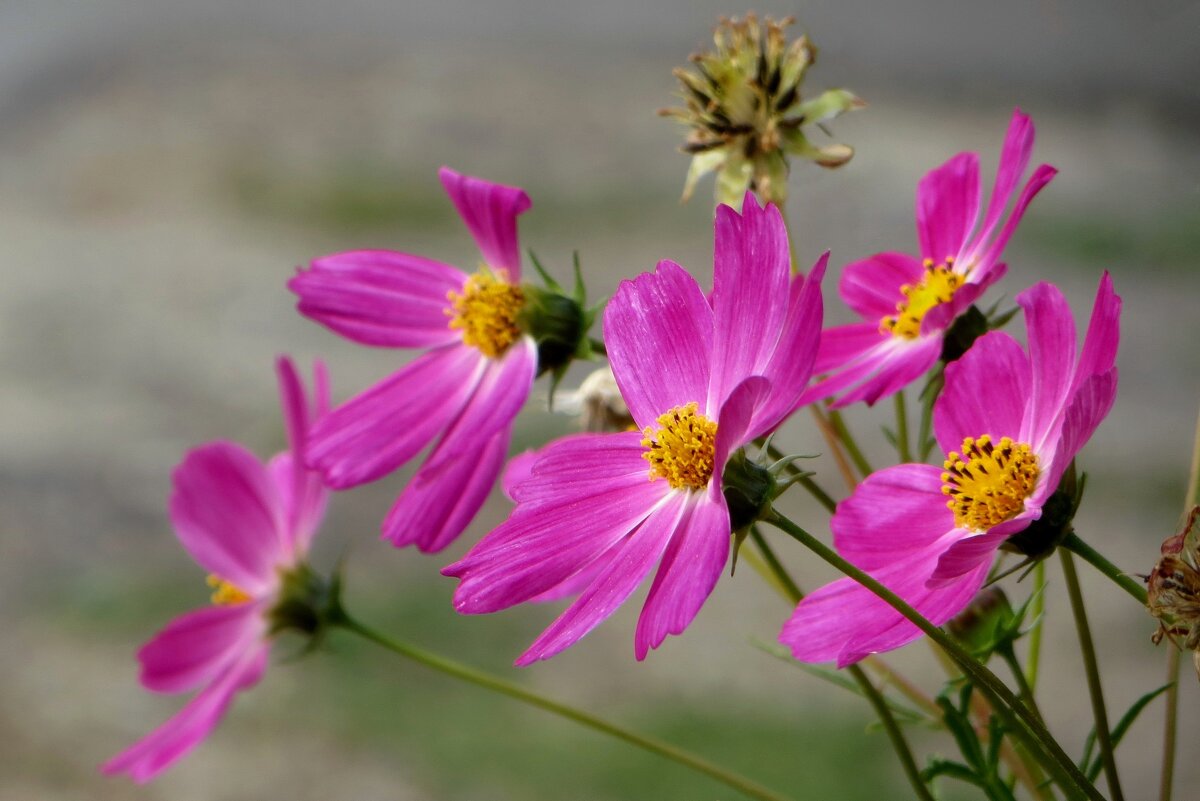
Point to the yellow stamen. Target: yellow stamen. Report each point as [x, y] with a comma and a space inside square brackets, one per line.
[226, 593]
[486, 311]
[683, 448]
[988, 483]
[937, 286]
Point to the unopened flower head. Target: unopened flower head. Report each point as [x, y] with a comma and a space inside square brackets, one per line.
[1173, 589]
[746, 114]
[247, 524]
[1010, 423]
[701, 376]
[597, 403]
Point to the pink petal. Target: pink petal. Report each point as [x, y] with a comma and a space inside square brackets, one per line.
[1043, 175]
[197, 645]
[872, 286]
[947, 206]
[687, 574]
[443, 498]
[903, 366]
[302, 490]
[228, 515]
[1014, 158]
[936, 604]
[737, 424]
[1090, 404]
[381, 429]
[573, 585]
[490, 212]
[1103, 334]
[986, 392]
[845, 621]
[582, 464]
[517, 471]
[792, 361]
[497, 399]
[1051, 337]
[842, 344]
[893, 513]
[543, 544]
[303, 508]
[854, 372]
[751, 270]
[174, 739]
[659, 332]
[619, 579]
[974, 552]
[380, 297]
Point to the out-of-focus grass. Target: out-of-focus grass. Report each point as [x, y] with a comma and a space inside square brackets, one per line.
[349, 197]
[1164, 243]
[460, 742]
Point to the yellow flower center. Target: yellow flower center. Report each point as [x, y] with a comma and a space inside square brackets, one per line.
[937, 286]
[226, 593]
[486, 311]
[683, 448]
[988, 483]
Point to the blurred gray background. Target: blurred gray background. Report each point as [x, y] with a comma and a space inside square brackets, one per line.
[165, 166]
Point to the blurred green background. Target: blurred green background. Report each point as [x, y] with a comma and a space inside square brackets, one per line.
[165, 166]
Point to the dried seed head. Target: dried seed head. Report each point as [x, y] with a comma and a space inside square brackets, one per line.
[1173, 590]
[745, 110]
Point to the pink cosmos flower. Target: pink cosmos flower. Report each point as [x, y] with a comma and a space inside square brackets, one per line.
[908, 303]
[1010, 424]
[464, 390]
[701, 377]
[247, 524]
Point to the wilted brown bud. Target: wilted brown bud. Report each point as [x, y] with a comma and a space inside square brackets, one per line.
[1173, 591]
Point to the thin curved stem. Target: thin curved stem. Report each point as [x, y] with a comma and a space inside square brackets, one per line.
[489, 682]
[1191, 497]
[1093, 557]
[1034, 660]
[902, 451]
[925, 440]
[835, 447]
[869, 690]
[1016, 717]
[847, 439]
[1092, 670]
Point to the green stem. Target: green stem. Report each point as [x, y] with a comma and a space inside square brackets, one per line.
[1093, 557]
[925, 441]
[1024, 690]
[480, 679]
[1092, 671]
[1170, 725]
[1016, 717]
[813, 488]
[856, 455]
[1034, 660]
[1191, 497]
[872, 693]
[902, 450]
[786, 582]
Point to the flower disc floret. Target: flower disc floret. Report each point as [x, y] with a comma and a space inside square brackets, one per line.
[988, 483]
[683, 448]
[937, 286]
[226, 593]
[486, 311]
